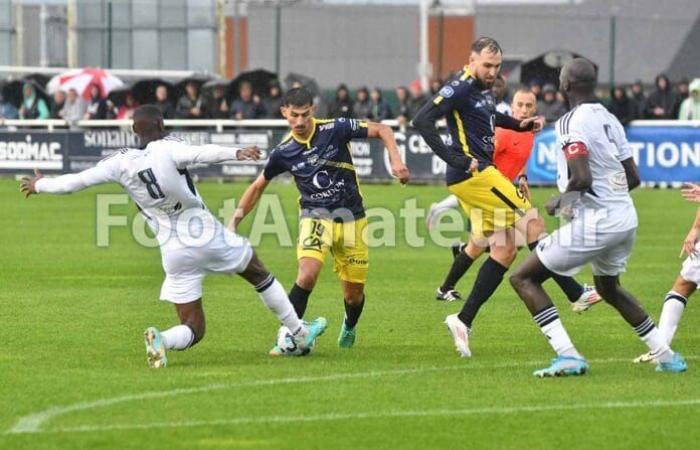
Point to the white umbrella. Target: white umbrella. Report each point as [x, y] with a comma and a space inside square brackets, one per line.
[82, 79]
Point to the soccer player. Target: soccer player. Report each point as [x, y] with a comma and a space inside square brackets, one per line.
[511, 152]
[192, 242]
[493, 203]
[686, 283]
[596, 171]
[317, 154]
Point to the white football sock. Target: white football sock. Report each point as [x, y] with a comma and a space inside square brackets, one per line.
[551, 326]
[274, 296]
[651, 336]
[671, 315]
[447, 203]
[178, 337]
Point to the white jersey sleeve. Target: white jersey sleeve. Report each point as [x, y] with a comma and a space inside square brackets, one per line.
[185, 155]
[106, 171]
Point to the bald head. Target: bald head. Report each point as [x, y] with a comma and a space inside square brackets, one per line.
[148, 123]
[578, 75]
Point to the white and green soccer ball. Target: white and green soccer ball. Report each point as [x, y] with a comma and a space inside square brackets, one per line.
[287, 345]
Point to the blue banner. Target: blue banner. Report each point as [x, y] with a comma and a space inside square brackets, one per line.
[663, 154]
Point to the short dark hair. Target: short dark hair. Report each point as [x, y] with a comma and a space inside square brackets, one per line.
[298, 97]
[148, 111]
[486, 43]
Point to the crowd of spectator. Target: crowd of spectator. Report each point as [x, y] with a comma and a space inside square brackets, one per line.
[664, 101]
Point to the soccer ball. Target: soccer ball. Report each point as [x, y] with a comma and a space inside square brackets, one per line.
[287, 345]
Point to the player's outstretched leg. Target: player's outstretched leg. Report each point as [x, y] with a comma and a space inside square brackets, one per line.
[460, 264]
[527, 282]
[180, 337]
[502, 244]
[631, 310]
[354, 300]
[302, 334]
[581, 297]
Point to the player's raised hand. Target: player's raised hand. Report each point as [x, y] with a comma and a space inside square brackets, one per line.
[537, 121]
[524, 187]
[400, 171]
[28, 184]
[248, 154]
[691, 192]
[689, 244]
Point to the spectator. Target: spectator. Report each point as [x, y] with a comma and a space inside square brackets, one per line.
[639, 99]
[342, 104]
[126, 111]
[363, 105]
[73, 108]
[435, 86]
[690, 108]
[273, 102]
[33, 107]
[380, 107]
[499, 91]
[215, 105]
[550, 106]
[189, 105]
[246, 106]
[7, 109]
[661, 102]
[603, 96]
[536, 88]
[404, 114]
[97, 108]
[622, 106]
[417, 99]
[59, 99]
[163, 103]
[681, 95]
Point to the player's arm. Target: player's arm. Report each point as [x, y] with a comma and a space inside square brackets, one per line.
[433, 110]
[580, 180]
[386, 135]
[104, 172]
[248, 200]
[631, 173]
[186, 155]
[692, 238]
[535, 123]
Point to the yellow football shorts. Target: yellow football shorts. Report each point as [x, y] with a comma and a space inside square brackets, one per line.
[491, 200]
[347, 241]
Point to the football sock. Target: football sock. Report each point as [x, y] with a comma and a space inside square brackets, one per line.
[671, 315]
[353, 312]
[651, 336]
[489, 277]
[447, 203]
[178, 337]
[571, 288]
[272, 294]
[550, 325]
[460, 265]
[299, 298]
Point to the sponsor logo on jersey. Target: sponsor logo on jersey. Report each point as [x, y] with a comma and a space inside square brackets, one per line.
[446, 92]
[327, 126]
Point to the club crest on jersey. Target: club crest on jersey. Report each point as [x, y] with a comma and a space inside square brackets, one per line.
[446, 92]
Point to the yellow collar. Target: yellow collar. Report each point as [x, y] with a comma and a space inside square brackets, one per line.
[306, 141]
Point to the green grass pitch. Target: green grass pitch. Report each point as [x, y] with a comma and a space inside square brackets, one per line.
[73, 369]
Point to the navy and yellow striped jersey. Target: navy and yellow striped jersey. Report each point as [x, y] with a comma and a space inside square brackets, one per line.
[322, 168]
[471, 120]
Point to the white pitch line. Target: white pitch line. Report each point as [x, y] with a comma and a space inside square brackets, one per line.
[496, 410]
[33, 423]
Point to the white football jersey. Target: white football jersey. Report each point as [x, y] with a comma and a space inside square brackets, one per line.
[156, 178]
[605, 139]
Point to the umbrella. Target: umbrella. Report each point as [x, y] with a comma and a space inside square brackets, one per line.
[145, 90]
[118, 96]
[12, 92]
[545, 68]
[309, 83]
[218, 82]
[260, 80]
[82, 79]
